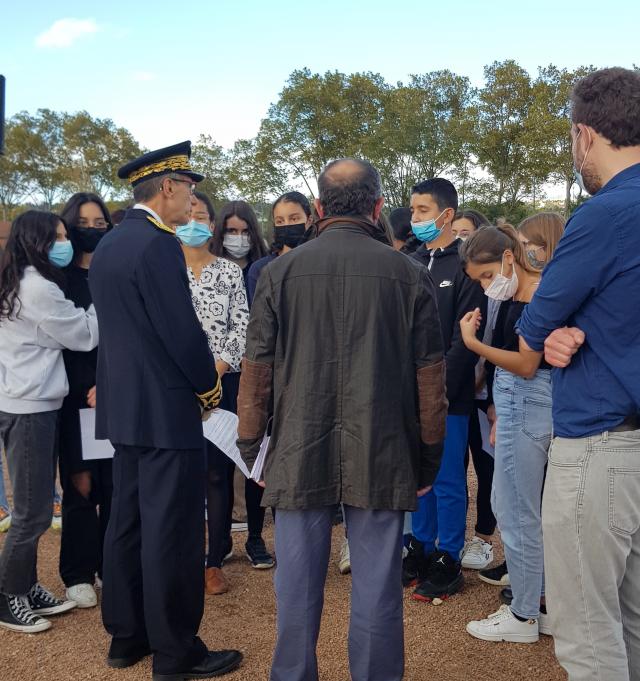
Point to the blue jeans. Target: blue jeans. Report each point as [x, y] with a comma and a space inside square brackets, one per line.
[442, 513]
[523, 436]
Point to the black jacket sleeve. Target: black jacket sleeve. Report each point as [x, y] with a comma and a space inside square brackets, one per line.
[460, 361]
[164, 286]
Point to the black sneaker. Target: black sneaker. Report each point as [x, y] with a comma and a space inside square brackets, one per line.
[42, 602]
[443, 579]
[258, 555]
[15, 614]
[414, 564]
[498, 575]
[506, 596]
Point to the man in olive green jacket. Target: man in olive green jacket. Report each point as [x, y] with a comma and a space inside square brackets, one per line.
[344, 336]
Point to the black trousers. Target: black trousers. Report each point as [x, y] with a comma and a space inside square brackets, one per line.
[154, 554]
[483, 465]
[83, 525]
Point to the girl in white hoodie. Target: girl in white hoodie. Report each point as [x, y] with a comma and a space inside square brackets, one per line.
[36, 323]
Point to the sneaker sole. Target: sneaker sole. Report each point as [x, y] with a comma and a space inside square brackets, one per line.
[504, 581]
[85, 606]
[260, 566]
[24, 629]
[455, 588]
[58, 609]
[477, 566]
[507, 638]
[410, 585]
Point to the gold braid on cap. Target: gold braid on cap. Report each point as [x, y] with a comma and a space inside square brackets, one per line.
[172, 163]
[210, 400]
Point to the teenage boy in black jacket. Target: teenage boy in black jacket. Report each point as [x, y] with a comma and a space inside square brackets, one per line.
[441, 514]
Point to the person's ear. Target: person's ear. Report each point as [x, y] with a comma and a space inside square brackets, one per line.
[377, 208]
[509, 257]
[449, 214]
[319, 208]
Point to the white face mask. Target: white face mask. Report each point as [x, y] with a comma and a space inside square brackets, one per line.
[503, 288]
[237, 245]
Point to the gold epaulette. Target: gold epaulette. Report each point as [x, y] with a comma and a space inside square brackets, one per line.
[211, 399]
[159, 225]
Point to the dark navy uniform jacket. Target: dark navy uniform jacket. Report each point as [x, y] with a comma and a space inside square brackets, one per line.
[153, 356]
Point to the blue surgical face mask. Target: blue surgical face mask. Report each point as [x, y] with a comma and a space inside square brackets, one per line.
[427, 231]
[61, 253]
[194, 233]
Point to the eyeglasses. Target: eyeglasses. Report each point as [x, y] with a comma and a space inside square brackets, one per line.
[192, 186]
[98, 224]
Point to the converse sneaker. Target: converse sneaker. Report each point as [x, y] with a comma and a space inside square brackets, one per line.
[497, 576]
[504, 626]
[43, 602]
[443, 578]
[344, 564]
[414, 564]
[477, 554]
[15, 614]
[258, 555]
[83, 594]
[5, 519]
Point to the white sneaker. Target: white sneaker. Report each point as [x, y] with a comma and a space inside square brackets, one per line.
[344, 564]
[544, 625]
[83, 594]
[477, 554]
[504, 626]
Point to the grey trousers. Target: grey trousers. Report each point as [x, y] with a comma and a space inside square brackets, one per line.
[376, 634]
[30, 443]
[591, 525]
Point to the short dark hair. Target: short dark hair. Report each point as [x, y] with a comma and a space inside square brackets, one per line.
[201, 196]
[400, 222]
[293, 197]
[443, 192]
[349, 193]
[242, 210]
[609, 101]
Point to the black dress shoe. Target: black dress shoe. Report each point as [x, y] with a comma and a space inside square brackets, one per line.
[216, 663]
[122, 656]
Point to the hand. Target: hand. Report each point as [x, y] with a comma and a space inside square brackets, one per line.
[491, 414]
[424, 490]
[222, 367]
[492, 434]
[91, 397]
[562, 345]
[469, 326]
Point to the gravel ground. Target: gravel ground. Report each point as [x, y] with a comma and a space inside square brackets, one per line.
[437, 645]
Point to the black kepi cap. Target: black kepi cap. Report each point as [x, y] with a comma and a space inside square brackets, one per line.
[174, 159]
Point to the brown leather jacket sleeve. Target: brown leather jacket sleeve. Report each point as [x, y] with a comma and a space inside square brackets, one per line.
[256, 379]
[430, 379]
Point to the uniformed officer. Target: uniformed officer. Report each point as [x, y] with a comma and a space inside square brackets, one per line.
[155, 378]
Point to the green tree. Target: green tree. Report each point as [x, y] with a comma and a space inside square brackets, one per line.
[211, 160]
[14, 182]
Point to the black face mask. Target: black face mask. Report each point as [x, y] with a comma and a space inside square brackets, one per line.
[290, 235]
[88, 238]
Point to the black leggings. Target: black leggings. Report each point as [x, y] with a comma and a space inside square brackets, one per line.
[253, 500]
[483, 464]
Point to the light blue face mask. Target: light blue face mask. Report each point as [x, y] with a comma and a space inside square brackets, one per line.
[426, 231]
[194, 233]
[61, 253]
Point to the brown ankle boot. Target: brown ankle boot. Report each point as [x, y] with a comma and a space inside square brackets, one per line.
[215, 583]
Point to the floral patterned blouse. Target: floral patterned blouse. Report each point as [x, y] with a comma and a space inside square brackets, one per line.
[220, 301]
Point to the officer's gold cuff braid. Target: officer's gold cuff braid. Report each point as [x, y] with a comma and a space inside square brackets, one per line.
[210, 400]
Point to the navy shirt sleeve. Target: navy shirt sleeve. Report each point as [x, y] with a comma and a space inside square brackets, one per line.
[582, 265]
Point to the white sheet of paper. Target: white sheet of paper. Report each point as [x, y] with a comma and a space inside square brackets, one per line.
[221, 428]
[485, 430]
[92, 448]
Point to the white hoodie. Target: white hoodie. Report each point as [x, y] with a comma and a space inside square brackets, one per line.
[32, 374]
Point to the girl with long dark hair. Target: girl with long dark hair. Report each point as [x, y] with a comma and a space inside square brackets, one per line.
[87, 484]
[36, 324]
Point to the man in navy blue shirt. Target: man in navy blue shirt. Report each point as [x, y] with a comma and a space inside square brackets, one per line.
[591, 507]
